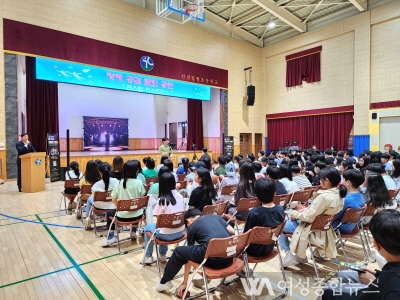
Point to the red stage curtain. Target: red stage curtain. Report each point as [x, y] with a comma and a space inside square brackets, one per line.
[321, 130]
[305, 65]
[41, 106]
[195, 124]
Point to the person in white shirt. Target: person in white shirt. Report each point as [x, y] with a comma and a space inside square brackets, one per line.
[72, 173]
[286, 179]
[257, 169]
[106, 183]
[301, 180]
[231, 179]
[169, 202]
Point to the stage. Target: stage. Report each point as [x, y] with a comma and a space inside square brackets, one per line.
[83, 157]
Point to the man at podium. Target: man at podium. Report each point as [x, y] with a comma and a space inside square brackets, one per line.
[24, 146]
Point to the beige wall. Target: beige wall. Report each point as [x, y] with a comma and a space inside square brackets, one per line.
[124, 24]
[359, 64]
[359, 56]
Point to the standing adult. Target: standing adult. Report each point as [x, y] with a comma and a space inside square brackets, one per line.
[24, 146]
[165, 149]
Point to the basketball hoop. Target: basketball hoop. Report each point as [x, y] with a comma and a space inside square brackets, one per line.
[192, 9]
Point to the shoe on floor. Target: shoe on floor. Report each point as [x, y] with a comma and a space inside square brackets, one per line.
[198, 281]
[148, 260]
[290, 260]
[302, 260]
[88, 223]
[242, 273]
[164, 287]
[109, 242]
[163, 258]
[133, 235]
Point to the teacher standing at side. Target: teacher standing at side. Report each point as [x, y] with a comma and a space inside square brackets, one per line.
[24, 146]
[165, 149]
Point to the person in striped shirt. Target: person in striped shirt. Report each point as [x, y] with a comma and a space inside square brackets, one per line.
[301, 180]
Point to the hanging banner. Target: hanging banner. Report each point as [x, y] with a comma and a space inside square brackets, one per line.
[53, 151]
[228, 145]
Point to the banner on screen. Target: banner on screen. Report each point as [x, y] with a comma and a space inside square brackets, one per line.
[53, 151]
[74, 73]
[105, 134]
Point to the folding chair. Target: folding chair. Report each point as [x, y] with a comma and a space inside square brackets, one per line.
[71, 184]
[170, 221]
[309, 188]
[266, 236]
[216, 209]
[181, 177]
[222, 248]
[130, 205]
[302, 196]
[321, 223]
[98, 197]
[282, 200]
[149, 182]
[369, 212]
[229, 190]
[393, 193]
[352, 215]
[244, 204]
[86, 190]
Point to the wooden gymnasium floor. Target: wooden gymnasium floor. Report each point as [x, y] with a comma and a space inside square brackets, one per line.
[40, 261]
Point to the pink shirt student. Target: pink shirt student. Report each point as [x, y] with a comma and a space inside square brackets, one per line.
[171, 209]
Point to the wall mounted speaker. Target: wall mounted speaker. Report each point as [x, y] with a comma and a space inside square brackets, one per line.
[374, 116]
[251, 94]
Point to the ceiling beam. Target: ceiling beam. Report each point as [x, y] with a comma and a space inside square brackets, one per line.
[239, 32]
[282, 14]
[249, 17]
[361, 5]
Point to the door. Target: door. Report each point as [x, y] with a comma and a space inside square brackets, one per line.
[257, 142]
[173, 133]
[245, 143]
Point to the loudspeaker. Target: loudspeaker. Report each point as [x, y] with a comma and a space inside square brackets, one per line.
[374, 116]
[251, 94]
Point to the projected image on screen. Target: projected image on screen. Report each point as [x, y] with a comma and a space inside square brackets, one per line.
[105, 134]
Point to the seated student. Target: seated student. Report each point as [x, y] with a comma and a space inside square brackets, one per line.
[251, 157]
[98, 161]
[245, 189]
[200, 230]
[354, 199]
[106, 183]
[128, 188]
[286, 179]
[299, 178]
[329, 201]
[72, 173]
[169, 202]
[260, 155]
[379, 168]
[150, 170]
[374, 191]
[205, 193]
[91, 175]
[380, 285]
[236, 160]
[163, 158]
[205, 154]
[266, 215]
[230, 180]
[220, 170]
[257, 170]
[310, 172]
[318, 166]
[140, 175]
[168, 163]
[183, 168]
[117, 165]
[145, 162]
[191, 182]
[264, 164]
[274, 173]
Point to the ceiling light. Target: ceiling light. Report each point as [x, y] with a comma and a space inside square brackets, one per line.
[272, 24]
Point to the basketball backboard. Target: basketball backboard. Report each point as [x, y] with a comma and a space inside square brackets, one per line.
[181, 11]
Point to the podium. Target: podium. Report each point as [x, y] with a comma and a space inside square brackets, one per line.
[33, 172]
